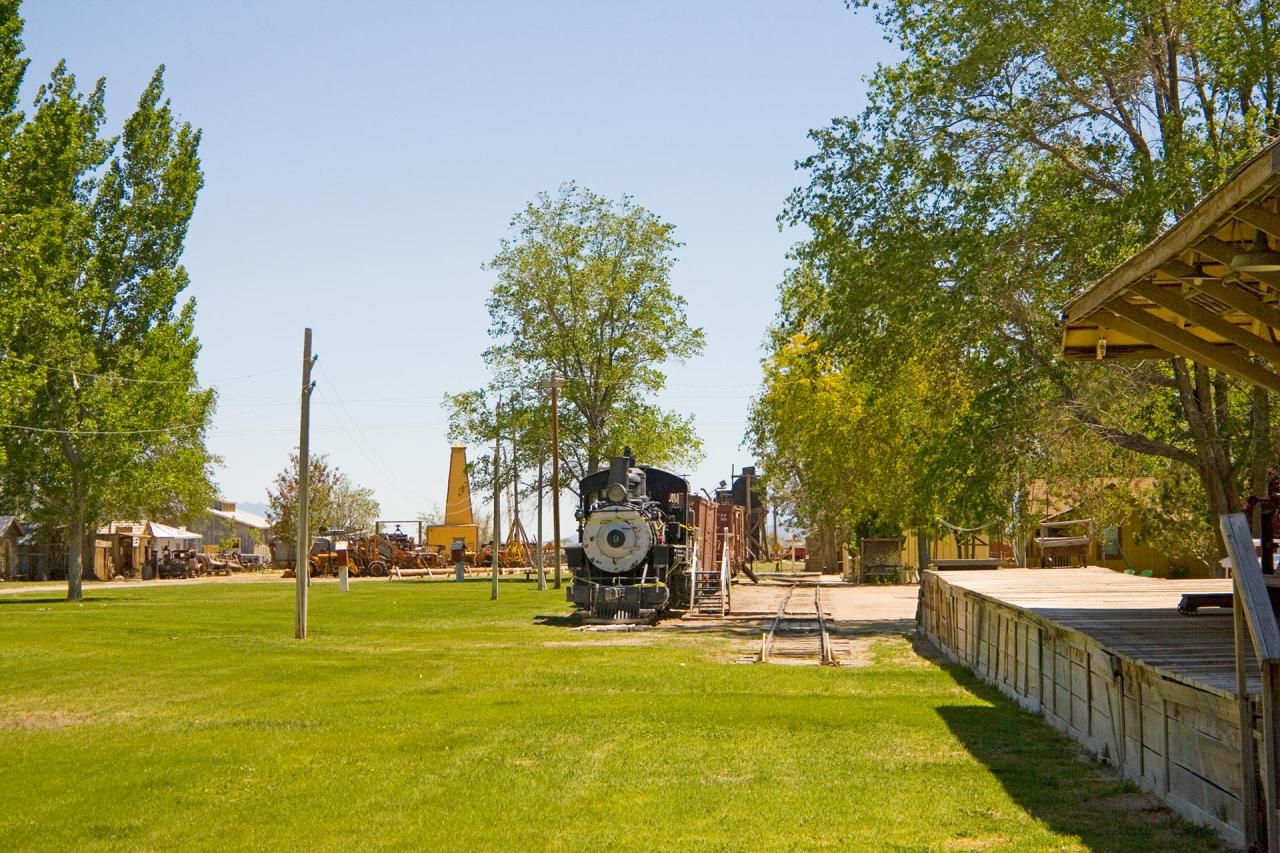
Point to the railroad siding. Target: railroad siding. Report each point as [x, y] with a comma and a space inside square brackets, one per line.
[1173, 739]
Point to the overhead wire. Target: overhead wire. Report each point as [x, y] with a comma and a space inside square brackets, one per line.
[116, 377]
[175, 428]
[409, 490]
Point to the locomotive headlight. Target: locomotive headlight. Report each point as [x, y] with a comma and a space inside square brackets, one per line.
[616, 493]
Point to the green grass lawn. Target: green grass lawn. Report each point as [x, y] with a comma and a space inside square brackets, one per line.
[422, 715]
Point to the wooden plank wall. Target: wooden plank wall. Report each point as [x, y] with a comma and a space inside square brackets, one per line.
[1178, 742]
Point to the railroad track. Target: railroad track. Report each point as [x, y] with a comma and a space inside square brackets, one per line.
[798, 634]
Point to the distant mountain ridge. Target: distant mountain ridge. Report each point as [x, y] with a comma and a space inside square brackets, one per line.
[255, 507]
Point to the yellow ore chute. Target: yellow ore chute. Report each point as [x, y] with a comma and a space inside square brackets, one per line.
[457, 508]
[459, 522]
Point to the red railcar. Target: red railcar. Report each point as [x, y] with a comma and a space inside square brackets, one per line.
[714, 521]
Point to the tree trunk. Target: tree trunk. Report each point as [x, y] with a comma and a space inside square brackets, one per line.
[1213, 458]
[75, 550]
[1260, 450]
[594, 433]
[922, 549]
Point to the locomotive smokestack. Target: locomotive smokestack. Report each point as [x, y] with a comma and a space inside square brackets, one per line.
[618, 467]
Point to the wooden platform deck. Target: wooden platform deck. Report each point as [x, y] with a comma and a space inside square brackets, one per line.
[1133, 616]
[1107, 659]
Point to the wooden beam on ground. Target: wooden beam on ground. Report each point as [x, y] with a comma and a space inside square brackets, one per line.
[1219, 325]
[1132, 320]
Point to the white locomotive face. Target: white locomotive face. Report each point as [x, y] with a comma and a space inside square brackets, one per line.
[617, 539]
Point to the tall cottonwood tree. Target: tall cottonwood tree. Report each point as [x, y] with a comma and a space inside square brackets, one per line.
[1016, 152]
[97, 352]
[583, 289]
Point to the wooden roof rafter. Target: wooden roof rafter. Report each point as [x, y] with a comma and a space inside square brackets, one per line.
[1179, 294]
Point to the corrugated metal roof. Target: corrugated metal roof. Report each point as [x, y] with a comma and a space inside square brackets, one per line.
[164, 531]
[241, 517]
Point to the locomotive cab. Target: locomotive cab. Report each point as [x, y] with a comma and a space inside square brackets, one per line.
[631, 541]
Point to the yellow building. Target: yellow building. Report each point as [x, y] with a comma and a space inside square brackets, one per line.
[1066, 534]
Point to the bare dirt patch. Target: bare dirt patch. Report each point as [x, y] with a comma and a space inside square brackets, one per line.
[603, 641]
[976, 843]
[37, 720]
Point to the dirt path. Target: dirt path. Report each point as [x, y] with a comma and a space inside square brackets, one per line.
[856, 616]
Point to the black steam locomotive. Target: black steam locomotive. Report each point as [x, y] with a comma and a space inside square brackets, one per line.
[629, 563]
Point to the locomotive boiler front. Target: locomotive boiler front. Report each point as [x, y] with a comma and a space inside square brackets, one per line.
[617, 539]
[630, 538]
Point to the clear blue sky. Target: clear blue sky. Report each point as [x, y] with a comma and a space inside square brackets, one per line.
[362, 161]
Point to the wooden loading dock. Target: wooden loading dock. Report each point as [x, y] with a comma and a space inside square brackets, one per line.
[1208, 290]
[1107, 659]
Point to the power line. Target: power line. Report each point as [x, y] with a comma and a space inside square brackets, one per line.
[333, 386]
[116, 377]
[101, 431]
[340, 428]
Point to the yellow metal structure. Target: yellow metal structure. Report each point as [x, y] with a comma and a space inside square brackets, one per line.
[459, 522]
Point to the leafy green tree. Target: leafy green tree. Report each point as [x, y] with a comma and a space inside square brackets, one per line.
[1014, 153]
[104, 413]
[334, 502]
[583, 289]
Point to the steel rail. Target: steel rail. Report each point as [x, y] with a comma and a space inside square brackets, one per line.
[766, 639]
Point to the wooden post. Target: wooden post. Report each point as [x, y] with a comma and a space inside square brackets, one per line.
[1252, 600]
[497, 494]
[542, 573]
[555, 477]
[302, 568]
[1248, 759]
[515, 489]
[777, 545]
[1270, 753]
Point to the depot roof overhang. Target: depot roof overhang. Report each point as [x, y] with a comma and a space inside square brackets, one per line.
[1179, 295]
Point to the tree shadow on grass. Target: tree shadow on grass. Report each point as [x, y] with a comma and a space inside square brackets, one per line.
[1052, 779]
[14, 601]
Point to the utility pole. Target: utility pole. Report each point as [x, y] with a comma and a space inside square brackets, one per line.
[751, 533]
[302, 568]
[542, 571]
[555, 476]
[777, 543]
[497, 493]
[515, 489]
